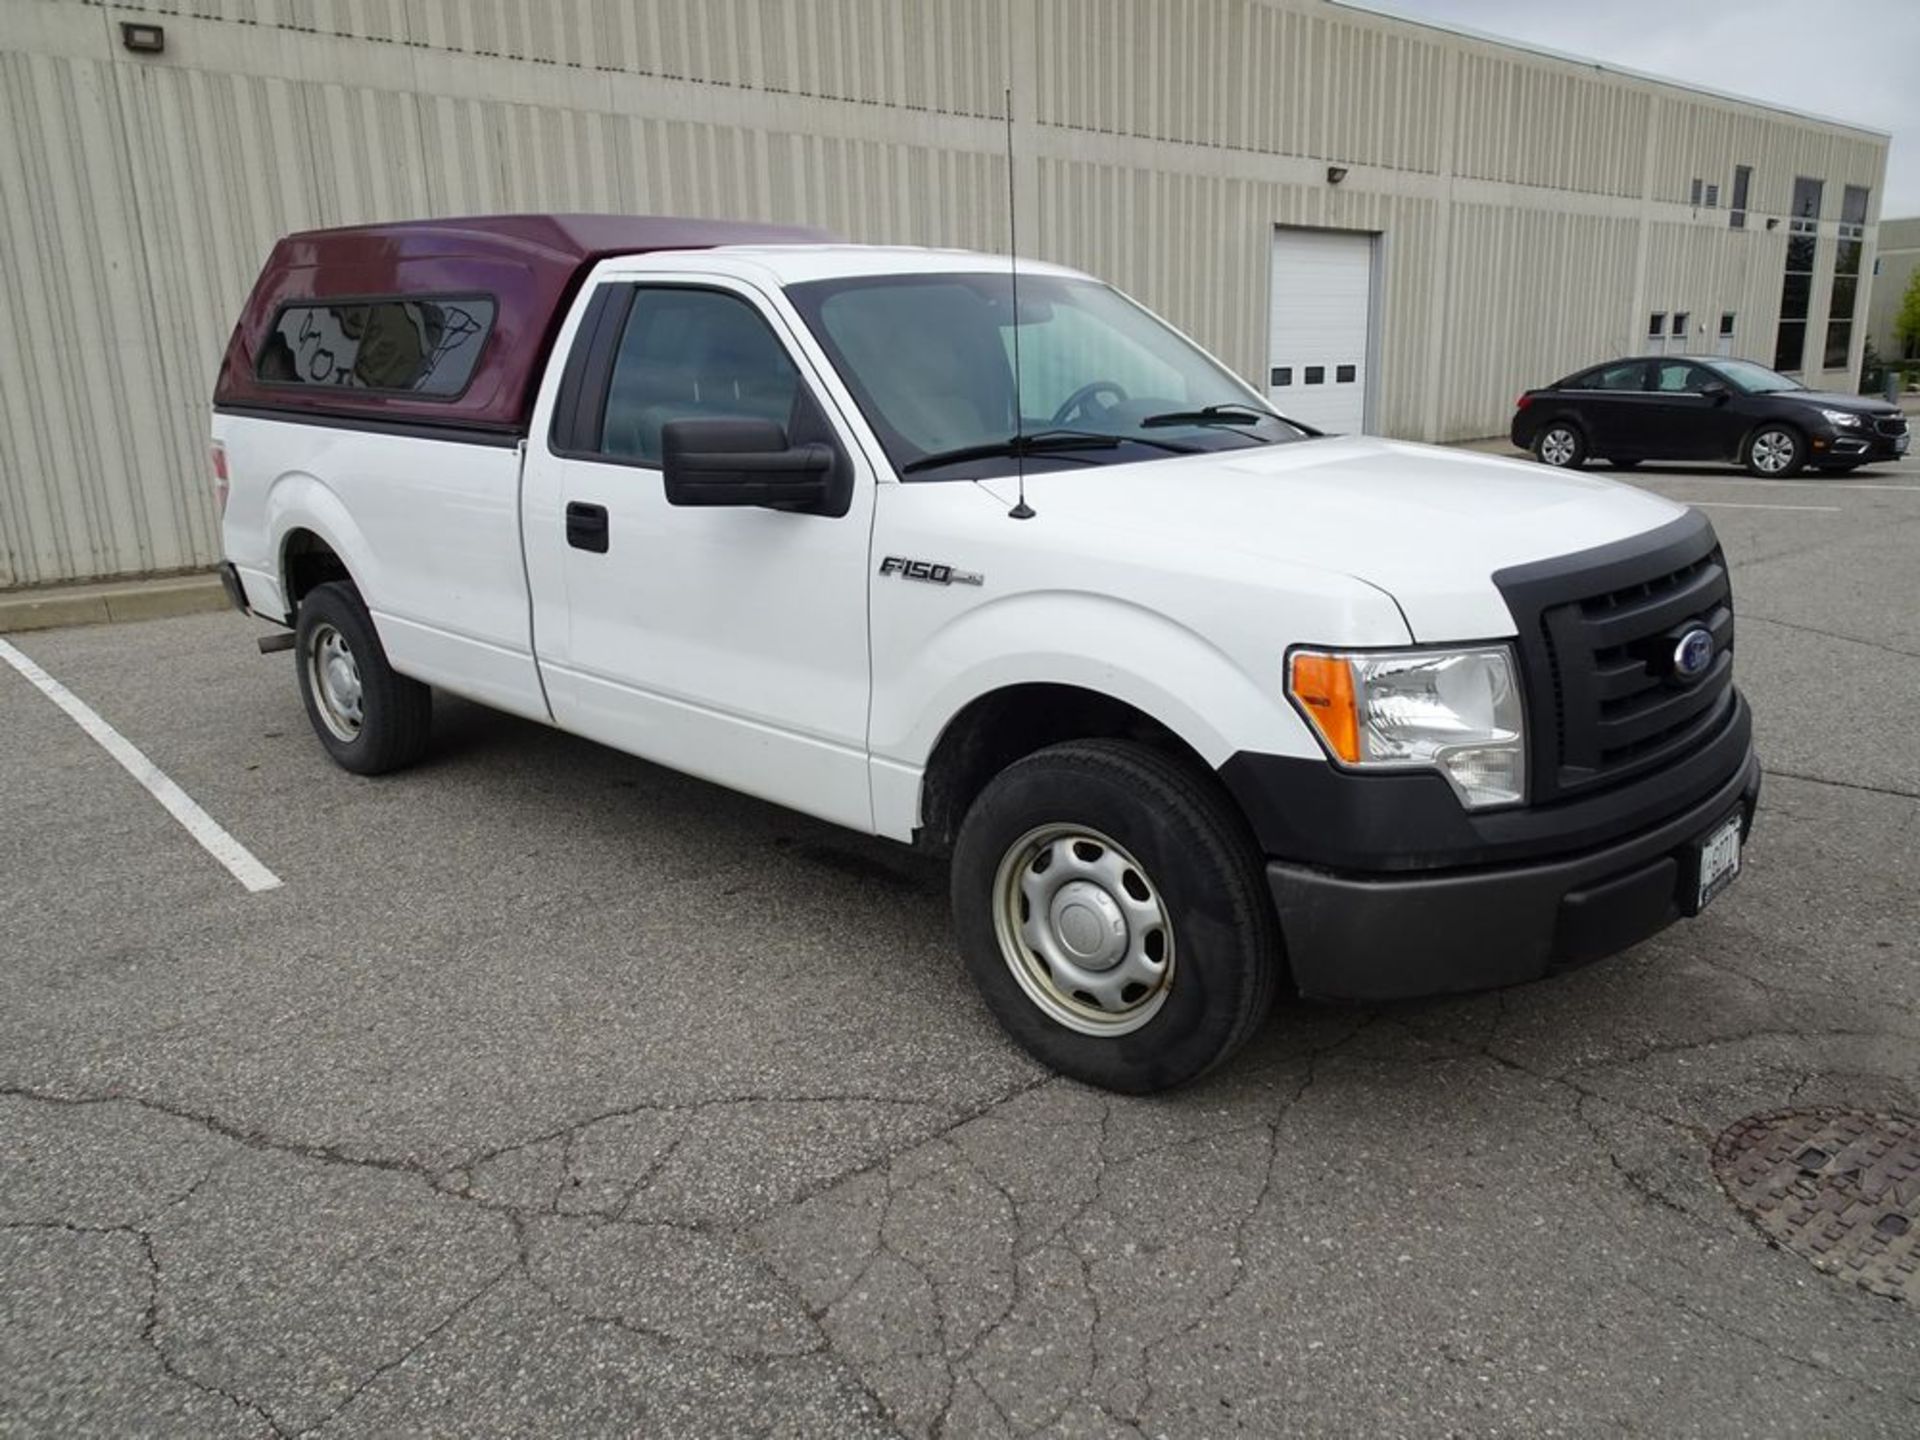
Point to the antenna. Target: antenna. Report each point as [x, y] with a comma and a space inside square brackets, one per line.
[1021, 510]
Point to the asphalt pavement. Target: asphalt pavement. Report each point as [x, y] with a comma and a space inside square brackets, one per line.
[554, 1093]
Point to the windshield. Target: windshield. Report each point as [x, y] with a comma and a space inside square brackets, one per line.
[929, 358]
[1755, 379]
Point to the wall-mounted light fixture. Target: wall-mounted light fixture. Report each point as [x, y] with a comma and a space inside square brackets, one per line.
[1773, 222]
[1335, 174]
[143, 39]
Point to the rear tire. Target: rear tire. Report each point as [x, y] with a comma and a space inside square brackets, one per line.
[1112, 910]
[1560, 444]
[370, 718]
[1774, 451]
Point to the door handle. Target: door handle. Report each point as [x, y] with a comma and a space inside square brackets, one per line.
[587, 527]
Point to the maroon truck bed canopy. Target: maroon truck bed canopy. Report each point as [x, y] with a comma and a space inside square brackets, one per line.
[500, 283]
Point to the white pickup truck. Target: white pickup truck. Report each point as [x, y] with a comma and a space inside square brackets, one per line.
[1200, 701]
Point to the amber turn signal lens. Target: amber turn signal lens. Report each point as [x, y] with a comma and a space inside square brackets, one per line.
[1323, 684]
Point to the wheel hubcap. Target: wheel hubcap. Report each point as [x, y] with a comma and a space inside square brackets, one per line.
[1772, 452]
[1083, 929]
[335, 677]
[1557, 447]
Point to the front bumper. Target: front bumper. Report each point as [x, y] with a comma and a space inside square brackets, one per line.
[1858, 446]
[1381, 937]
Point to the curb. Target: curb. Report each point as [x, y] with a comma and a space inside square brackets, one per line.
[53, 607]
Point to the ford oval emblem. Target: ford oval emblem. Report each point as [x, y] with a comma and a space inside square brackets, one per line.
[1693, 656]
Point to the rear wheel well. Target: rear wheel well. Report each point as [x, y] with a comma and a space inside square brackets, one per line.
[995, 730]
[306, 561]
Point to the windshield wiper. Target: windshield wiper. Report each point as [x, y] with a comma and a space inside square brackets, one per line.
[1038, 442]
[1212, 415]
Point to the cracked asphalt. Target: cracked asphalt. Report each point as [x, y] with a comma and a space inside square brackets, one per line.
[558, 1094]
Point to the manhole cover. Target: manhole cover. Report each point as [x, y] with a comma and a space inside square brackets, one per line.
[1840, 1187]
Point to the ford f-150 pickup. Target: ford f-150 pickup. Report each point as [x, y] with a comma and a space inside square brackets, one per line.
[1201, 702]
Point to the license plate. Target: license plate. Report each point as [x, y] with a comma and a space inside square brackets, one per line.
[1719, 861]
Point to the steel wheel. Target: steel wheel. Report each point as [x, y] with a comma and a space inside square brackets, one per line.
[1559, 446]
[335, 678]
[1774, 451]
[1083, 929]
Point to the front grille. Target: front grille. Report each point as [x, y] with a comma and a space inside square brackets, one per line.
[1597, 633]
[1891, 425]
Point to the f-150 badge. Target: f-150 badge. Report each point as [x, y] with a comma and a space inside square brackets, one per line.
[930, 571]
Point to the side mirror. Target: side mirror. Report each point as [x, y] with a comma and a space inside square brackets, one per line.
[741, 462]
[1715, 391]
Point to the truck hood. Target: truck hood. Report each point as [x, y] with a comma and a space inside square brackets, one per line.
[1429, 526]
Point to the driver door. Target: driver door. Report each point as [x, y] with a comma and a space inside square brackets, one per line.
[728, 642]
[1680, 419]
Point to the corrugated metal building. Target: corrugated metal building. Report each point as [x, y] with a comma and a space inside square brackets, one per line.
[1449, 218]
[1899, 255]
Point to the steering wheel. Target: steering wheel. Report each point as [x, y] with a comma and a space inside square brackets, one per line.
[1079, 400]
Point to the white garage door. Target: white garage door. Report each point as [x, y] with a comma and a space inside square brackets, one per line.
[1322, 304]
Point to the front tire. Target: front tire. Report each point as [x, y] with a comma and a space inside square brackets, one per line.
[1111, 909]
[368, 716]
[1774, 452]
[1561, 445]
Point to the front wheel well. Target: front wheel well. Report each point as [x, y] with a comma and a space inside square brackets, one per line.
[994, 730]
[1792, 427]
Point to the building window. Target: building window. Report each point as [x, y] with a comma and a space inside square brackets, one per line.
[1693, 195]
[1742, 183]
[1316, 374]
[1282, 375]
[1726, 324]
[1807, 195]
[1713, 196]
[1796, 291]
[1680, 318]
[1656, 324]
[1846, 277]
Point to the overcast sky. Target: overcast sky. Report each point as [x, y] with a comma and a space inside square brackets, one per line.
[1852, 60]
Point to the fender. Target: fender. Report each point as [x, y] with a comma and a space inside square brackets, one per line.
[299, 500]
[1122, 650]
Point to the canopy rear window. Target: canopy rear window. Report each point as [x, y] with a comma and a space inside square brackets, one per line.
[424, 346]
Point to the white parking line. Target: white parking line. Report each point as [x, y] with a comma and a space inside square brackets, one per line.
[1737, 505]
[1680, 478]
[202, 826]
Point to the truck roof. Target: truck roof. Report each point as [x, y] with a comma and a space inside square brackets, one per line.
[426, 290]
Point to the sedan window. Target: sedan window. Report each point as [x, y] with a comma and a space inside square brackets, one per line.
[1631, 375]
[1677, 376]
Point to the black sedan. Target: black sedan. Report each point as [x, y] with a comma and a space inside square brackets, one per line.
[1686, 407]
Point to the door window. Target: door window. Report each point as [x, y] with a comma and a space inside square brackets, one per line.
[689, 354]
[1629, 375]
[1676, 377]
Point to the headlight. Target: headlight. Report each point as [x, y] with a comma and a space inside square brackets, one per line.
[1455, 711]
[1842, 417]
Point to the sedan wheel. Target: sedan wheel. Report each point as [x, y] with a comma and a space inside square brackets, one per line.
[1560, 446]
[1774, 451]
